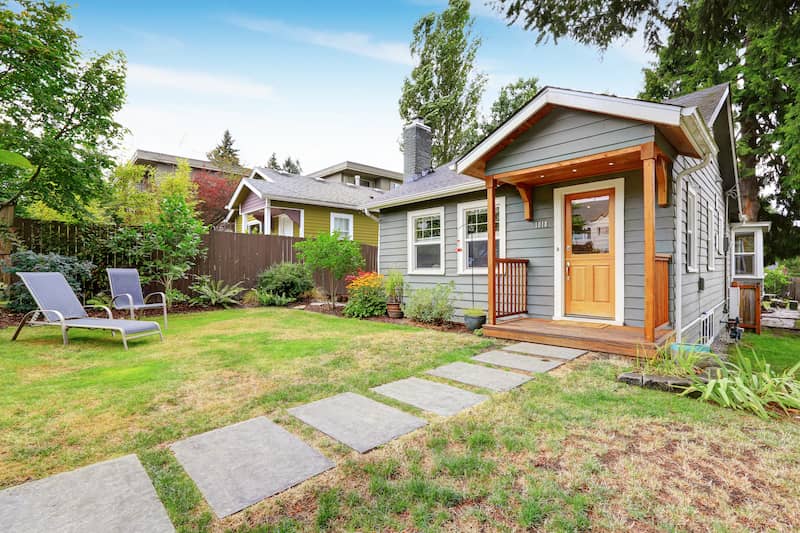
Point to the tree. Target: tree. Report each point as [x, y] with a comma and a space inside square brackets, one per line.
[510, 99]
[333, 255]
[132, 201]
[178, 183]
[292, 166]
[214, 192]
[172, 242]
[273, 162]
[752, 45]
[444, 89]
[56, 108]
[224, 155]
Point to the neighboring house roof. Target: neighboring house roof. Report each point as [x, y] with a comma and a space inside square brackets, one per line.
[145, 156]
[352, 166]
[268, 183]
[441, 181]
[708, 101]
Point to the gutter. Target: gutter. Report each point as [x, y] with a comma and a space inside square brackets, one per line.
[370, 215]
[679, 180]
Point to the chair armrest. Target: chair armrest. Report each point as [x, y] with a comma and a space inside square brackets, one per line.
[106, 309]
[123, 295]
[163, 297]
[58, 313]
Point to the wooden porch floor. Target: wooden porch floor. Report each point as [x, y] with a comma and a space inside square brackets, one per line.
[623, 340]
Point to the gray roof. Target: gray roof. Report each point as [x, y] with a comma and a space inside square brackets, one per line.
[356, 167]
[305, 189]
[705, 100]
[145, 156]
[439, 178]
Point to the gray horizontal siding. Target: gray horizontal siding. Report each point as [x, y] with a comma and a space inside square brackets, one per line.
[565, 134]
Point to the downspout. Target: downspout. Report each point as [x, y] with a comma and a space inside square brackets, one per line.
[370, 215]
[679, 178]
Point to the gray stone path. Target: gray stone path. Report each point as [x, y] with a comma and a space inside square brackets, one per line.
[480, 376]
[239, 465]
[110, 496]
[430, 396]
[356, 421]
[517, 361]
[545, 350]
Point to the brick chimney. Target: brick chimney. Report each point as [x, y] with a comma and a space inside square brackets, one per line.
[416, 149]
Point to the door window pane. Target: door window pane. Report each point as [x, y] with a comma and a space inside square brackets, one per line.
[590, 225]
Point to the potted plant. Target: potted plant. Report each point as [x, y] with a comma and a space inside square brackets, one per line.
[393, 283]
[474, 318]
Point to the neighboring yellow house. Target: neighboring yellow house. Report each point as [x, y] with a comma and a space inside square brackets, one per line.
[277, 203]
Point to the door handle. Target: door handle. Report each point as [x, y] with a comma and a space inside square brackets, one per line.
[567, 269]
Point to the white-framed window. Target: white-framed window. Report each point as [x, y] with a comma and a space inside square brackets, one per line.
[473, 236]
[426, 241]
[343, 223]
[748, 255]
[711, 237]
[254, 227]
[692, 241]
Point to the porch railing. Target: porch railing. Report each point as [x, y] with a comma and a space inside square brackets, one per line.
[662, 289]
[510, 287]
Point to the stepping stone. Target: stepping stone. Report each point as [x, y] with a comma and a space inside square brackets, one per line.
[356, 421]
[239, 465]
[545, 350]
[114, 495]
[480, 376]
[430, 396]
[519, 362]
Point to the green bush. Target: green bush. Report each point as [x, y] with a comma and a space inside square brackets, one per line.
[332, 255]
[210, 292]
[367, 296]
[777, 280]
[76, 272]
[271, 299]
[288, 279]
[431, 306]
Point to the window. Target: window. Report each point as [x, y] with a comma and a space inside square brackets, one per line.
[426, 241]
[367, 183]
[473, 245]
[254, 226]
[343, 223]
[692, 243]
[744, 254]
[711, 238]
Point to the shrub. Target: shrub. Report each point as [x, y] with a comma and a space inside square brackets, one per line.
[750, 384]
[270, 299]
[474, 311]
[777, 280]
[332, 255]
[76, 272]
[431, 306]
[289, 279]
[210, 292]
[394, 285]
[681, 363]
[367, 296]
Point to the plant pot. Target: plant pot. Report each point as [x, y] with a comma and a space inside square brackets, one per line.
[394, 310]
[474, 322]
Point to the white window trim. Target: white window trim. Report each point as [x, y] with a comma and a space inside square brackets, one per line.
[711, 233]
[410, 236]
[618, 184]
[254, 222]
[758, 253]
[693, 254]
[461, 249]
[348, 216]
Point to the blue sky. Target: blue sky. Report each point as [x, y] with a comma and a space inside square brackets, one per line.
[317, 80]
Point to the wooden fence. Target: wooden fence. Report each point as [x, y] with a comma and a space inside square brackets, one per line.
[231, 257]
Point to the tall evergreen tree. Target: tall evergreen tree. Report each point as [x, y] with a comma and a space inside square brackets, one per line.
[292, 166]
[224, 155]
[444, 88]
[273, 162]
[753, 45]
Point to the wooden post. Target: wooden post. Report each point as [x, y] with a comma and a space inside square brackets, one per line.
[6, 219]
[491, 252]
[649, 189]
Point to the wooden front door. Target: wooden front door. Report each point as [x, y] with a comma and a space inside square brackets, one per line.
[589, 254]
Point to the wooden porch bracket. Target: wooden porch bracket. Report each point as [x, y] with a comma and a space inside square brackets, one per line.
[526, 192]
[662, 182]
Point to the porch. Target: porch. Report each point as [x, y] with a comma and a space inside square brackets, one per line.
[623, 340]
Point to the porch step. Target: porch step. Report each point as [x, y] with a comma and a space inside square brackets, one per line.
[518, 362]
[545, 350]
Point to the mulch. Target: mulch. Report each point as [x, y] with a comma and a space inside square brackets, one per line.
[451, 327]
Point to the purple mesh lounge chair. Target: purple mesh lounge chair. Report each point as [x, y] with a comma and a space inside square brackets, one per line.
[58, 306]
[126, 293]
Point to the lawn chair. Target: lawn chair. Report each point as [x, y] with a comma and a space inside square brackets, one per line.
[126, 292]
[58, 306]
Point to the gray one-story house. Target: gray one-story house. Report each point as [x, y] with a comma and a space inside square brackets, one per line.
[616, 222]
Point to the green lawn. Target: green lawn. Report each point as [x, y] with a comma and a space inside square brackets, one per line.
[780, 348]
[568, 451]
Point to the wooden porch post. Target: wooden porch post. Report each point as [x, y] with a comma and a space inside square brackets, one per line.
[491, 252]
[649, 194]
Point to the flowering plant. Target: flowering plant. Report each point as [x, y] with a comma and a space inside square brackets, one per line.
[366, 295]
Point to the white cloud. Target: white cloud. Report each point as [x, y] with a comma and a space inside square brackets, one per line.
[352, 42]
[197, 82]
[154, 40]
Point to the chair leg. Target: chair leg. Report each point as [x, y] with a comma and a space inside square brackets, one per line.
[22, 324]
[165, 317]
[64, 335]
[124, 341]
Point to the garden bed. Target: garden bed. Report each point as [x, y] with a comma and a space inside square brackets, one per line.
[316, 307]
